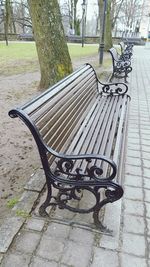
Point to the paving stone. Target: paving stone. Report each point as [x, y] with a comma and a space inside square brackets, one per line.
[38, 262]
[144, 125]
[50, 248]
[16, 260]
[133, 180]
[132, 261]
[145, 142]
[147, 183]
[146, 172]
[133, 130]
[134, 207]
[145, 131]
[132, 135]
[146, 163]
[134, 147]
[104, 258]
[35, 224]
[132, 124]
[58, 230]
[132, 161]
[26, 242]
[36, 181]
[76, 255]
[133, 141]
[146, 148]
[26, 201]
[147, 195]
[134, 193]
[148, 225]
[146, 155]
[134, 244]
[82, 236]
[147, 209]
[113, 224]
[145, 136]
[133, 170]
[8, 230]
[134, 224]
[133, 153]
[148, 246]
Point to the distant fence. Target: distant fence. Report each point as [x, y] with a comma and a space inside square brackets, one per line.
[11, 36]
[72, 38]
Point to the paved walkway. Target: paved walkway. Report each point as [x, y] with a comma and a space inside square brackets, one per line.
[55, 243]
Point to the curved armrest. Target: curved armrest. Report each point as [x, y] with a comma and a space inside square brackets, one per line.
[68, 165]
[114, 88]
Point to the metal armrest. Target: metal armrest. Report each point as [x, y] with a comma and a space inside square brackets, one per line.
[67, 166]
[114, 88]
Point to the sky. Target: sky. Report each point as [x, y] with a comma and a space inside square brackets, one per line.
[91, 8]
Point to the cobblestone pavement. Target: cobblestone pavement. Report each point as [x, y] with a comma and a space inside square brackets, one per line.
[53, 244]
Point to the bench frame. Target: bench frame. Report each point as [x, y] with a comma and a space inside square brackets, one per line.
[70, 189]
[126, 51]
[121, 65]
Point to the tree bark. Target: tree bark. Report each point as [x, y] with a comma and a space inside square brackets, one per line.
[54, 58]
[108, 24]
[108, 27]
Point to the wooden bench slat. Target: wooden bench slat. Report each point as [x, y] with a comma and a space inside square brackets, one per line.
[64, 94]
[67, 118]
[39, 101]
[82, 146]
[111, 143]
[58, 111]
[76, 131]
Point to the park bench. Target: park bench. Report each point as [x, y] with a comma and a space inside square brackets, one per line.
[79, 126]
[126, 51]
[134, 41]
[121, 66]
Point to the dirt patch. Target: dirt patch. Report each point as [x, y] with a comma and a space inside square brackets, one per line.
[18, 154]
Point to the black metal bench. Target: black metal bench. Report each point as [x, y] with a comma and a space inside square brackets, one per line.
[121, 66]
[126, 51]
[79, 127]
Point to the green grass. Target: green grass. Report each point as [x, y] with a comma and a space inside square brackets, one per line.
[12, 202]
[77, 51]
[22, 57]
[18, 58]
[18, 51]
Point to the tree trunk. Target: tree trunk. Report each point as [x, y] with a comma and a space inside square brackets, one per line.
[101, 13]
[54, 58]
[108, 27]
[6, 20]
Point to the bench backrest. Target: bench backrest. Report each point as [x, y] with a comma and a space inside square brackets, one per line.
[122, 46]
[114, 54]
[60, 110]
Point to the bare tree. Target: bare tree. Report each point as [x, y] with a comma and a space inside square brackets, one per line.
[131, 14]
[22, 16]
[115, 10]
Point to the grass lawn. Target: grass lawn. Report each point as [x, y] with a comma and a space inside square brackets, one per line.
[22, 57]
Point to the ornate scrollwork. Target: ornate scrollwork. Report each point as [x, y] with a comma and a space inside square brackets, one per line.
[115, 194]
[129, 69]
[66, 170]
[95, 172]
[65, 166]
[117, 89]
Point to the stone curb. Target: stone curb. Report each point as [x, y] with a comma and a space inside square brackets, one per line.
[21, 210]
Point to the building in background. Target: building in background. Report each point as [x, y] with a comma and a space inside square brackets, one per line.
[145, 20]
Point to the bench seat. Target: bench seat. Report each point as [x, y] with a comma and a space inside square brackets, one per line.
[79, 126]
